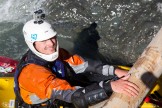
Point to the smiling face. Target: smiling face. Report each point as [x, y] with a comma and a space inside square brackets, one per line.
[47, 46]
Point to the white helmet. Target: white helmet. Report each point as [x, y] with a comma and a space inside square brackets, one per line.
[38, 32]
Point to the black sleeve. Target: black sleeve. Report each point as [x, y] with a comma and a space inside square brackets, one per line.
[99, 67]
[91, 94]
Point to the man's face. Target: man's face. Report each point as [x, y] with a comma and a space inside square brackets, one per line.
[47, 46]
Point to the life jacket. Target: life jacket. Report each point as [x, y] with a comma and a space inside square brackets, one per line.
[57, 67]
[60, 68]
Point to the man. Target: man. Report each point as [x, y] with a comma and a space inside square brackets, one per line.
[47, 72]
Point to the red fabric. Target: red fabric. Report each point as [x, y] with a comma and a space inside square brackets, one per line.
[8, 62]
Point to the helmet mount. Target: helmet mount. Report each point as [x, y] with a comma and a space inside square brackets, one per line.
[39, 17]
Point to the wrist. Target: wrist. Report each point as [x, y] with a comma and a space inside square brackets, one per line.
[107, 87]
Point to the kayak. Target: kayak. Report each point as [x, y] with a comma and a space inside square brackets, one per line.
[154, 98]
[7, 65]
[7, 96]
[7, 68]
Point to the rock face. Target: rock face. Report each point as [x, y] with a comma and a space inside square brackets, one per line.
[114, 31]
[122, 31]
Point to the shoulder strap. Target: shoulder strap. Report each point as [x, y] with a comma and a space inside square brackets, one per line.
[19, 101]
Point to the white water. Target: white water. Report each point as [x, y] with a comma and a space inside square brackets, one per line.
[17, 10]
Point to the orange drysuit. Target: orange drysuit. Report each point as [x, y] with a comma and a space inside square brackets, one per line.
[38, 83]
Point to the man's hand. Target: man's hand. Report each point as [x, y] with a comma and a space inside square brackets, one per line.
[125, 87]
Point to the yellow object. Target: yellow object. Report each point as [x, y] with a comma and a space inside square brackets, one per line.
[124, 67]
[158, 88]
[7, 96]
